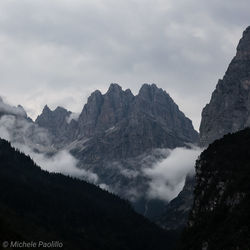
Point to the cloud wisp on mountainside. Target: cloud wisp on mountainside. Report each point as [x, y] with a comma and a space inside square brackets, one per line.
[61, 162]
[167, 177]
[35, 141]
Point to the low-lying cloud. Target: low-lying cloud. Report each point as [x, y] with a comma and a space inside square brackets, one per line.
[167, 177]
[72, 116]
[159, 174]
[35, 141]
[18, 129]
[62, 162]
[8, 109]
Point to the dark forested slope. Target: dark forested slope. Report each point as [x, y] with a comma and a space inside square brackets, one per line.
[36, 205]
[220, 217]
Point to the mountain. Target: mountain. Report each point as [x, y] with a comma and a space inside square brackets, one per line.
[220, 217]
[144, 122]
[39, 206]
[229, 107]
[116, 132]
[227, 112]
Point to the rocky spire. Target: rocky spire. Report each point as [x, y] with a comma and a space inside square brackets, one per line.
[229, 107]
[114, 88]
[103, 111]
[56, 123]
[46, 109]
[244, 44]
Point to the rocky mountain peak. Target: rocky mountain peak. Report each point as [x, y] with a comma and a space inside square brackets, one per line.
[21, 108]
[62, 111]
[56, 123]
[114, 88]
[47, 112]
[129, 92]
[147, 86]
[244, 44]
[116, 93]
[46, 109]
[229, 107]
[150, 93]
[147, 91]
[94, 97]
[92, 108]
[103, 111]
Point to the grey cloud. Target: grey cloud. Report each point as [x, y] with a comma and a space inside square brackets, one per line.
[19, 130]
[8, 109]
[73, 116]
[129, 173]
[60, 48]
[159, 174]
[105, 187]
[61, 162]
[167, 177]
[7, 122]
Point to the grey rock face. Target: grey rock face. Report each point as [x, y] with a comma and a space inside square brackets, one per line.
[157, 105]
[57, 123]
[104, 111]
[229, 108]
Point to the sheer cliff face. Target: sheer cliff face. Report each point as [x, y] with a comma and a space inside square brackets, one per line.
[104, 111]
[220, 216]
[57, 122]
[229, 108]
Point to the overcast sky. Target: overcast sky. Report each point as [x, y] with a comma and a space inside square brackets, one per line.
[57, 52]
